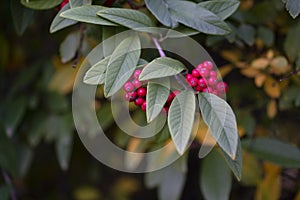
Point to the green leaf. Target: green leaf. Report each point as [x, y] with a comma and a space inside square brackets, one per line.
[24, 159]
[21, 15]
[215, 177]
[122, 64]
[87, 14]
[64, 150]
[161, 67]
[7, 154]
[246, 33]
[292, 43]
[181, 119]
[160, 9]
[276, 151]
[220, 119]
[96, 74]
[170, 178]
[181, 31]
[76, 3]
[109, 39]
[59, 22]
[41, 4]
[69, 46]
[293, 6]
[194, 16]
[235, 165]
[157, 94]
[266, 35]
[13, 114]
[126, 17]
[222, 8]
[4, 192]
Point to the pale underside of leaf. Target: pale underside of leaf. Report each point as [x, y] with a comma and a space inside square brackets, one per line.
[96, 74]
[88, 14]
[122, 64]
[181, 119]
[221, 121]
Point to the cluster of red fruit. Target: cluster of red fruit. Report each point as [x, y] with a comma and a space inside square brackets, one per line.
[63, 4]
[204, 79]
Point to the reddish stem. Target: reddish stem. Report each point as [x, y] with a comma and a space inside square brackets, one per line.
[108, 3]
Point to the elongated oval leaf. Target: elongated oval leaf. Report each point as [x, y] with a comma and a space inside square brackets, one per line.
[283, 154]
[96, 74]
[122, 64]
[215, 177]
[76, 3]
[87, 14]
[235, 165]
[69, 46]
[41, 4]
[293, 7]
[181, 119]
[64, 150]
[222, 8]
[161, 67]
[160, 9]
[59, 22]
[220, 119]
[157, 94]
[126, 17]
[201, 19]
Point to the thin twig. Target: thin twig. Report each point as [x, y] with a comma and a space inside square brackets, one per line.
[162, 54]
[13, 194]
[290, 74]
[108, 3]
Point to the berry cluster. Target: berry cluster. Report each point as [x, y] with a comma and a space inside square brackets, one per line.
[204, 79]
[136, 90]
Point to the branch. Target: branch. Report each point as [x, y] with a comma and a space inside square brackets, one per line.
[162, 54]
[13, 194]
[108, 3]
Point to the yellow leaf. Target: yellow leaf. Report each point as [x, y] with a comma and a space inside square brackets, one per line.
[64, 78]
[270, 54]
[279, 65]
[252, 170]
[297, 196]
[224, 70]
[272, 87]
[260, 63]
[272, 109]
[87, 192]
[269, 188]
[124, 187]
[232, 56]
[250, 72]
[259, 79]
[241, 131]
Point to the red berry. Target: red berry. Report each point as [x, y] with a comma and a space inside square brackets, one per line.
[202, 83]
[139, 101]
[198, 88]
[128, 87]
[200, 66]
[215, 92]
[142, 92]
[222, 87]
[188, 77]
[204, 72]
[165, 110]
[208, 89]
[137, 73]
[137, 83]
[175, 92]
[195, 73]
[209, 65]
[143, 106]
[213, 73]
[212, 81]
[130, 96]
[170, 97]
[193, 82]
